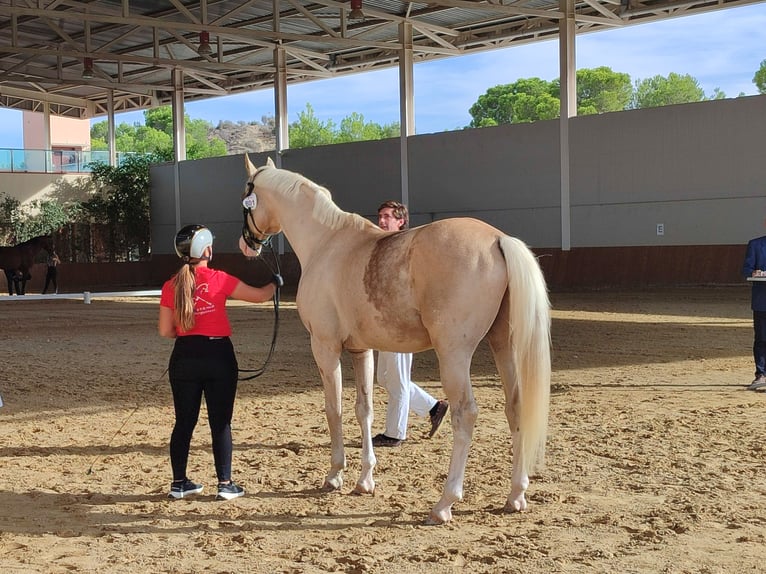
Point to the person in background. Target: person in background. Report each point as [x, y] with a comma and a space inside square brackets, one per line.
[394, 369]
[203, 362]
[51, 275]
[755, 266]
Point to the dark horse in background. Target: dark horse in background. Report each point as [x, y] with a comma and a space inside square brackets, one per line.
[17, 260]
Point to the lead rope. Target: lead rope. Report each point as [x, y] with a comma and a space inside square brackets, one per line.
[274, 271]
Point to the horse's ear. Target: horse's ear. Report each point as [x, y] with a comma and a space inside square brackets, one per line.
[269, 162]
[251, 169]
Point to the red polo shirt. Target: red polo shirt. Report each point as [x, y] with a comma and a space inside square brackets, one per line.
[212, 289]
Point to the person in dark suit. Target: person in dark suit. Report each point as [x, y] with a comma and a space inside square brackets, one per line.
[755, 266]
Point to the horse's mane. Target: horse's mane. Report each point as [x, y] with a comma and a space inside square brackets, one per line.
[325, 211]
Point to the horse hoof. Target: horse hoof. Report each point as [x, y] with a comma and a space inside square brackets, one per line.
[331, 487]
[439, 518]
[360, 490]
[365, 485]
[516, 505]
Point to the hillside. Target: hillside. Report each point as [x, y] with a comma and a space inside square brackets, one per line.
[241, 137]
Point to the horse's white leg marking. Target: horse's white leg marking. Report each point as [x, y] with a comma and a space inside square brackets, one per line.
[328, 362]
[516, 501]
[363, 371]
[503, 354]
[456, 381]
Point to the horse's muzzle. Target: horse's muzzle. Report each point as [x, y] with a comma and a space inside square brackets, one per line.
[248, 251]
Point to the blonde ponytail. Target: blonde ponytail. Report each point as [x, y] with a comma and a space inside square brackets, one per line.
[183, 286]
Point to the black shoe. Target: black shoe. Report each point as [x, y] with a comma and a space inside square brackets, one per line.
[383, 440]
[185, 487]
[437, 416]
[227, 491]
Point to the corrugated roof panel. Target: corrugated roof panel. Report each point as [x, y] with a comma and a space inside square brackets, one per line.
[42, 50]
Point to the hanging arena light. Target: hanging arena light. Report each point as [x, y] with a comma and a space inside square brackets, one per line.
[204, 44]
[87, 68]
[356, 10]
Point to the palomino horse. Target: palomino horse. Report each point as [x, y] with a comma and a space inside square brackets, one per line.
[17, 260]
[458, 281]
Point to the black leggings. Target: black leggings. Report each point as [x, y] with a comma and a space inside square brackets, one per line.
[202, 365]
[51, 277]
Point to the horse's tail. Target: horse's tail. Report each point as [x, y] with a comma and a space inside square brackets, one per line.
[529, 316]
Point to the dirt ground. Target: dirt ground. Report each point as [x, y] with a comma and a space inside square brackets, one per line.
[655, 459]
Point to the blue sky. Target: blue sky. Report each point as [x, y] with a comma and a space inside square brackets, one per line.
[721, 49]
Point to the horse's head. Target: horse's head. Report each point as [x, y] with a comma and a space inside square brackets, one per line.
[259, 224]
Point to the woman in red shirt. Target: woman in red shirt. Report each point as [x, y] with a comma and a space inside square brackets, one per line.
[193, 312]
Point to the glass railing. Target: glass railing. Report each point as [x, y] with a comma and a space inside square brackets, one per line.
[53, 161]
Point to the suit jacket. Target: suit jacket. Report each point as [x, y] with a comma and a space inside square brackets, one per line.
[755, 258]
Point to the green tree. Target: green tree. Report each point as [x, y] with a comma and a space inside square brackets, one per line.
[525, 100]
[146, 139]
[160, 119]
[98, 131]
[155, 136]
[600, 90]
[121, 201]
[309, 131]
[354, 128]
[10, 217]
[45, 217]
[759, 79]
[198, 144]
[661, 91]
[38, 217]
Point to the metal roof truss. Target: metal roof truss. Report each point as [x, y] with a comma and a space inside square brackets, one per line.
[134, 45]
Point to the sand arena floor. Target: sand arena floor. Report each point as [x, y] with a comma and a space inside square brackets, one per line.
[656, 458]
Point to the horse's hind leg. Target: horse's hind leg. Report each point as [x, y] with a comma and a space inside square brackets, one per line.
[455, 371]
[502, 351]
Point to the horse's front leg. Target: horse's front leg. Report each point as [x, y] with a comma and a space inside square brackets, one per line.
[328, 361]
[363, 373]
